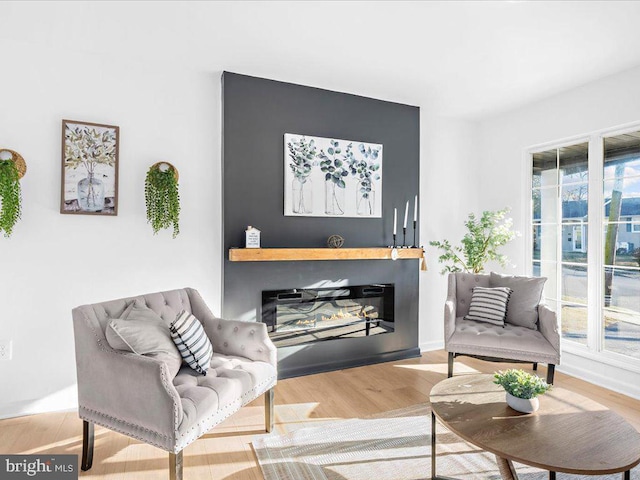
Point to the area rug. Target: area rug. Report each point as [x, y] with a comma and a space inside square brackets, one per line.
[393, 446]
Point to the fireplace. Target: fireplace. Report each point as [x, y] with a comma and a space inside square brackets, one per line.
[300, 316]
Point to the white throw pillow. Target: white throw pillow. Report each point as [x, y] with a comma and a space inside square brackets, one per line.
[524, 300]
[140, 330]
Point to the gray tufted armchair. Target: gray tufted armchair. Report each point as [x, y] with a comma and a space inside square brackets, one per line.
[496, 343]
[133, 394]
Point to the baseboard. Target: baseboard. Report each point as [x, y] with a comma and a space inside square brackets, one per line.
[631, 389]
[284, 372]
[431, 346]
[18, 409]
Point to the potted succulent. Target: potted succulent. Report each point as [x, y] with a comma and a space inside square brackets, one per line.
[162, 198]
[522, 389]
[480, 245]
[10, 193]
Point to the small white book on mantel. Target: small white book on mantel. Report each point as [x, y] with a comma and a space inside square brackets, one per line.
[252, 237]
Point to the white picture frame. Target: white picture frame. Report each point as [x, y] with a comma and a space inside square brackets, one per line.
[328, 177]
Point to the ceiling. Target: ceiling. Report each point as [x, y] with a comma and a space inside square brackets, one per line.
[468, 60]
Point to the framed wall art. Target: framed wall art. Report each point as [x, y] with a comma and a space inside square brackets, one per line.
[89, 168]
[326, 177]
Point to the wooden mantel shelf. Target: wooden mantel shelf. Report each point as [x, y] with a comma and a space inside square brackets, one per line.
[298, 254]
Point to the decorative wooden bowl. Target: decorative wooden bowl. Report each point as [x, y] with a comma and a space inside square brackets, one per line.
[21, 165]
[169, 166]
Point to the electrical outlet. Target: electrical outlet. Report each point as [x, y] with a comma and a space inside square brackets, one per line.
[6, 349]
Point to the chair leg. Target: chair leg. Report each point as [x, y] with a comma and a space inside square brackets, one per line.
[268, 410]
[175, 466]
[550, 371]
[87, 445]
[450, 365]
[535, 367]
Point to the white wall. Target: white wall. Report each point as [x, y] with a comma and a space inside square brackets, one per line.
[54, 262]
[609, 102]
[448, 172]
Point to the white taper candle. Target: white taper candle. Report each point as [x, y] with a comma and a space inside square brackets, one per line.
[406, 214]
[395, 220]
[415, 210]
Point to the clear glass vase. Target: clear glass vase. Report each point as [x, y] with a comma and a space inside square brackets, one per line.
[333, 199]
[302, 197]
[365, 199]
[91, 194]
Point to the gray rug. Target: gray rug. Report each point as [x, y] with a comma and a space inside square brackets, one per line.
[391, 446]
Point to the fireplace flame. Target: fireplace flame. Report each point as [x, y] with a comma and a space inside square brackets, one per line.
[304, 322]
[341, 315]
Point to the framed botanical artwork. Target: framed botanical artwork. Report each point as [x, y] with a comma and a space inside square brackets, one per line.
[328, 177]
[89, 168]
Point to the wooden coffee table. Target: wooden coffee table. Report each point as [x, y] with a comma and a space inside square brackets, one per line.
[569, 433]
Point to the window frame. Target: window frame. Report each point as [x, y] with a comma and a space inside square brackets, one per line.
[594, 347]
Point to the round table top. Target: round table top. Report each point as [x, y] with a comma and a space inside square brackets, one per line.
[569, 433]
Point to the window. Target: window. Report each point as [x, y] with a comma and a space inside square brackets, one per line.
[560, 240]
[621, 259]
[580, 192]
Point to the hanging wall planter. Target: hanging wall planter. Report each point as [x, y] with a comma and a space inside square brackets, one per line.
[12, 169]
[162, 198]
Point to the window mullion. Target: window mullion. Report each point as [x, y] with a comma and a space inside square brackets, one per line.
[594, 253]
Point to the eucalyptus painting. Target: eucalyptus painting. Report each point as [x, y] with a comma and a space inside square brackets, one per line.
[89, 168]
[327, 177]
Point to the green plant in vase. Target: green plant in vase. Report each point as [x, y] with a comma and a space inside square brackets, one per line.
[335, 166]
[365, 170]
[522, 388]
[480, 244]
[302, 154]
[162, 198]
[10, 196]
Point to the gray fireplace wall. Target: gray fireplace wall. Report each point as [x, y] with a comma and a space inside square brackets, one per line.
[256, 113]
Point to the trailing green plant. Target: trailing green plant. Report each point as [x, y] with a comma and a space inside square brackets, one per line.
[10, 196]
[480, 244]
[162, 199]
[520, 383]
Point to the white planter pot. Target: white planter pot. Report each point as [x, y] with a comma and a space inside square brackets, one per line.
[524, 405]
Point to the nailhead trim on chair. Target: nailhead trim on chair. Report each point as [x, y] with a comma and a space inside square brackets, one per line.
[231, 408]
[110, 426]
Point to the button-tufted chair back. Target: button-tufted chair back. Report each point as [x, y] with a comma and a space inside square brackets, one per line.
[166, 304]
[464, 289]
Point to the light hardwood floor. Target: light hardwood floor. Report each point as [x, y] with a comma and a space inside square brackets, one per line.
[226, 453]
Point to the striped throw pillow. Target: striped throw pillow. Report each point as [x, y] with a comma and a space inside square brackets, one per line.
[192, 341]
[489, 305]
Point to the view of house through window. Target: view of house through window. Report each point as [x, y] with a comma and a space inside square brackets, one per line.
[560, 233]
[562, 189]
[621, 265]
